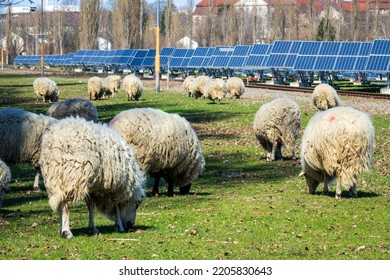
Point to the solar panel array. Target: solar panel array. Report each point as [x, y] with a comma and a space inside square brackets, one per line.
[281, 55]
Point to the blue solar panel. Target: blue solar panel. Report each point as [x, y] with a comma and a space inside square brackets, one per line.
[378, 63]
[329, 48]
[305, 62]
[309, 48]
[345, 63]
[166, 51]
[276, 60]
[260, 49]
[295, 47]
[236, 62]
[349, 48]
[200, 51]
[241, 50]
[324, 63]
[365, 48]
[281, 47]
[290, 61]
[189, 53]
[381, 47]
[176, 62]
[360, 64]
[195, 61]
[148, 62]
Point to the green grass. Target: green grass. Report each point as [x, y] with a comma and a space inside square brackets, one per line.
[241, 208]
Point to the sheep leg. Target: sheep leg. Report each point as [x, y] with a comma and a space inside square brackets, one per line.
[170, 188]
[353, 191]
[185, 189]
[326, 185]
[92, 230]
[274, 149]
[338, 189]
[36, 180]
[269, 151]
[155, 186]
[118, 221]
[63, 210]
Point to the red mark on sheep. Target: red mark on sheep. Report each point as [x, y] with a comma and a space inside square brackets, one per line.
[332, 118]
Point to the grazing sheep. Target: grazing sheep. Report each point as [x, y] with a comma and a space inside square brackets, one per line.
[133, 87]
[20, 137]
[215, 90]
[82, 160]
[234, 87]
[187, 84]
[199, 85]
[277, 124]
[165, 146]
[5, 179]
[337, 143]
[73, 107]
[324, 97]
[95, 88]
[46, 88]
[111, 85]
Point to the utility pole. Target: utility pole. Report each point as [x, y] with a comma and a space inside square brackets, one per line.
[42, 43]
[157, 59]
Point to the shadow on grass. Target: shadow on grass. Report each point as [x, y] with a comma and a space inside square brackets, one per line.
[345, 194]
[108, 229]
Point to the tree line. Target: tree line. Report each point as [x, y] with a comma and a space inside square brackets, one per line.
[131, 24]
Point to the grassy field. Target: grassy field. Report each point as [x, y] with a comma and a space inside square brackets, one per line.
[243, 207]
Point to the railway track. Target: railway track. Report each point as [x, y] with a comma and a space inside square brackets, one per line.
[310, 90]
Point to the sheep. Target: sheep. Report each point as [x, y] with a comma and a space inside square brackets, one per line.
[83, 160]
[5, 179]
[95, 88]
[20, 137]
[46, 88]
[133, 87]
[277, 124]
[111, 85]
[337, 143]
[324, 97]
[234, 87]
[165, 145]
[215, 90]
[73, 107]
[199, 86]
[187, 84]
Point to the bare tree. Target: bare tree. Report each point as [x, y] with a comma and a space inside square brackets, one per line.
[126, 23]
[354, 20]
[89, 24]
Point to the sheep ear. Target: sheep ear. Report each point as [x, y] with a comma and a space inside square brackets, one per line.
[302, 173]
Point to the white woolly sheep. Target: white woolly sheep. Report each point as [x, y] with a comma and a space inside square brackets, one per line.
[133, 87]
[324, 97]
[199, 85]
[20, 137]
[95, 88]
[73, 107]
[277, 124]
[187, 84]
[215, 90]
[46, 88]
[234, 87]
[82, 160]
[5, 179]
[165, 145]
[337, 143]
[112, 84]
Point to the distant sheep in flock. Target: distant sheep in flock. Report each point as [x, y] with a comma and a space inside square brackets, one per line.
[165, 146]
[5, 180]
[234, 87]
[95, 88]
[187, 85]
[46, 88]
[20, 137]
[82, 160]
[337, 143]
[133, 87]
[112, 84]
[324, 97]
[199, 85]
[73, 107]
[277, 124]
[215, 90]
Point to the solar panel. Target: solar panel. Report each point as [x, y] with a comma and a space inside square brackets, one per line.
[276, 60]
[360, 64]
[349, 48]
[305, 62]
[241, 50]
[381, 47]
[329, 48]
[378, 63]
[345, 63]
[324, 63]
[281, 47]
[365, 48]
[309, 48]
